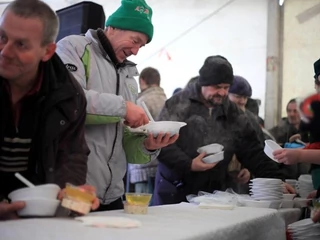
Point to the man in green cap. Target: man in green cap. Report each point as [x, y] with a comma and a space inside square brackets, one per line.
[99, 62]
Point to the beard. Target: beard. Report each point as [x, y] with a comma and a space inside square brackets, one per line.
[215, 100]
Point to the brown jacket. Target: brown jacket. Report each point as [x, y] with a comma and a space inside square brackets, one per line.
[58, 153]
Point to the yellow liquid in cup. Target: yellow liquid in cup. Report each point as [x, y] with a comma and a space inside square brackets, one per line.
[138, 199]
[79, 194]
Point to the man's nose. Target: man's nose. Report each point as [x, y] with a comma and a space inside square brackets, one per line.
[223, 92]
[6, 50]
[134, 50]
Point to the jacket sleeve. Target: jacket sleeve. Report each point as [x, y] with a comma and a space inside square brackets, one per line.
[250, 152]
[135, 150]
[102, 108]
[173, 156]
[72, 157]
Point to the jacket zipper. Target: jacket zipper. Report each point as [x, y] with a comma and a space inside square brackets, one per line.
[114, 141]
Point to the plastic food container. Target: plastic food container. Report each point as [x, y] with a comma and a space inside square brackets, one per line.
[77, 199]
[137, 203]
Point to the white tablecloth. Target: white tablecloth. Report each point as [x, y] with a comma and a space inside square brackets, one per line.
[290, 215]
[171, 222]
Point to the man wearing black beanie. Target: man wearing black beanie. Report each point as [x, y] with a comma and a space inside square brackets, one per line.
[211, 118]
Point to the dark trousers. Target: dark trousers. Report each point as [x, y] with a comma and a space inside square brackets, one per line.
[116, 205]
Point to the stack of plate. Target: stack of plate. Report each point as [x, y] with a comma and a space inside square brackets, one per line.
[304, 185]
[266, 189]
[305, 229]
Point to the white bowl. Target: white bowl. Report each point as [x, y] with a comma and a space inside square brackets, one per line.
[257, 204]
[301, 202]
[287, 204]
[291, 181]
[163, 127]
[275, 204]
[288, 196]
[210, 149]
[39, 207]
[269, 147]
[48, 191]
[267, 181]
[214, 158]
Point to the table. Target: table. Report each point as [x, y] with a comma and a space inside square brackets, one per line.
[290, 215]
[171, 222]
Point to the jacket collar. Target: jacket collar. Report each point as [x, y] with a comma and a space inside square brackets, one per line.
[57, 84]
[155, 89]
[106, 48]
[53, 76]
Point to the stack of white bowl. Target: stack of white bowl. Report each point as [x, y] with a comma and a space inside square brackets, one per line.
[304, 185]
[41, 201]
[305, 229]
[266, 189]
[214, 153]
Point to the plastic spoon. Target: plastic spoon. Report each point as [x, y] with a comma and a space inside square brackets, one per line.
[24, 180]
[145, 108]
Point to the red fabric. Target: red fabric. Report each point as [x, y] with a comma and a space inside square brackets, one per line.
[315, 145]
[288, 235]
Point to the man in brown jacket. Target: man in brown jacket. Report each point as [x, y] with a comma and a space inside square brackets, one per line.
[42, 106]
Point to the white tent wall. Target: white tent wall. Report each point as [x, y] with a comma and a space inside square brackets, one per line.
[301, 49]
[238, 32]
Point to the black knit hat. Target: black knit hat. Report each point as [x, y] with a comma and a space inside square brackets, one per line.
[241, 87]
[215, 70]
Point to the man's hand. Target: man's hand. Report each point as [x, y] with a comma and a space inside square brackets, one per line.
[199, 166]
[288, 189]
[316, 217]
[135, 116]
[295, 137]
[287, 156]
[91, 189]
[8, 210]
[312, 195]
[162, 140]
[243, 176]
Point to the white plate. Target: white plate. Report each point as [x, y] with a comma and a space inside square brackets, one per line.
[111, 222]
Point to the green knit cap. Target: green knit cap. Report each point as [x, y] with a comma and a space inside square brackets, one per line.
[133, 15]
